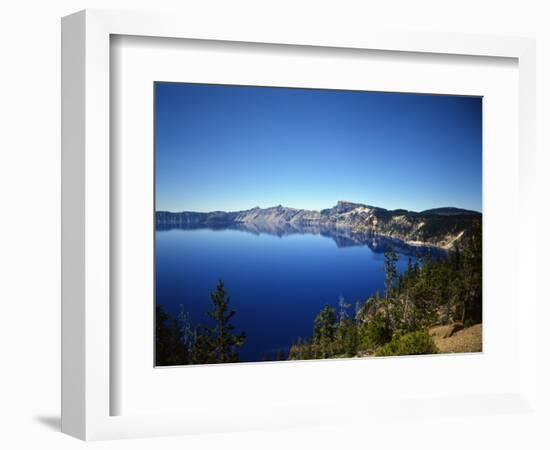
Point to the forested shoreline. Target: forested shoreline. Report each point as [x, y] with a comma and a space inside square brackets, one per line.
[396, 321]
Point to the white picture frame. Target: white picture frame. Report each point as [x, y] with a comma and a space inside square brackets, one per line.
[87, 386]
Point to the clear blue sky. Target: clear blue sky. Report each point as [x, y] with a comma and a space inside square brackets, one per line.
[232, 148]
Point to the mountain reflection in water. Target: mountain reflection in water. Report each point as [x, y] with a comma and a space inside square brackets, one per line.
[343, 237]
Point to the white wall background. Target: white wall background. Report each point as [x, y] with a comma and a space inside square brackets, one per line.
[30, 198]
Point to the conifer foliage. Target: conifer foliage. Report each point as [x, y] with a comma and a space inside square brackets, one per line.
[222, 340]
[430, 292]
[217, 343]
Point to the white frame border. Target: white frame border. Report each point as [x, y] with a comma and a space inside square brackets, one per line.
[86, 214]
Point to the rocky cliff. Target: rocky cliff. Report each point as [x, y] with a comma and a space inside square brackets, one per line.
[441, 227]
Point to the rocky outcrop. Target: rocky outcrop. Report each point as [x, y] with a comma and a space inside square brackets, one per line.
[442, 227]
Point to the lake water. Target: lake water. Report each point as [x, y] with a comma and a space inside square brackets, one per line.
[277, 280]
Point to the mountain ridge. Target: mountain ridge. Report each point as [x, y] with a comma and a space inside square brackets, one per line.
[440, 227]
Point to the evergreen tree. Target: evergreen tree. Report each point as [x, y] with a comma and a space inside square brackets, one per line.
[170, 349]
[390, 261]
[324, 331]
[301, 350]
[390, 267]
[347, 335]
[455, 284]
[472, 279]
[203, 348]
[220, 342]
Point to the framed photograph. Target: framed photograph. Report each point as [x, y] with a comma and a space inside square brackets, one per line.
[304, 275]
[283, 211]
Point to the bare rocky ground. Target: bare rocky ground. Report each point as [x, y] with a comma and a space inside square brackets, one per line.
[467, 340]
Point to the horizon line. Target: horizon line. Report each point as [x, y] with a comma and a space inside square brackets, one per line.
[319, 210]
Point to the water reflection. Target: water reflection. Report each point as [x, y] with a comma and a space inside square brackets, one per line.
[343, 237]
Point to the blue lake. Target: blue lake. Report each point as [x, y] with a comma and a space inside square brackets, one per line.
[277, 282]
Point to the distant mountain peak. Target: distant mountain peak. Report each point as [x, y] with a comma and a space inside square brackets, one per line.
[348, 203]
[343, 206]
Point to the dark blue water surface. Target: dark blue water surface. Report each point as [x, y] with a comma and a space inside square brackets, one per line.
[277, 283]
